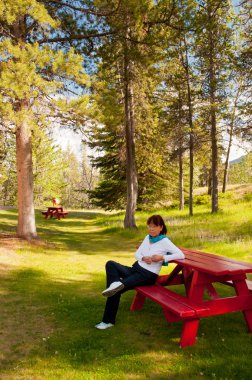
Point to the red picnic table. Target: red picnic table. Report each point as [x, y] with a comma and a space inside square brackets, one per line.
[198, 272]
[54, 211]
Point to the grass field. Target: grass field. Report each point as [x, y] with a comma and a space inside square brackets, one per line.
[51, 300]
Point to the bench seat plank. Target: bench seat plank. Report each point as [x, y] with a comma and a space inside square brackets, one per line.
[171, 301]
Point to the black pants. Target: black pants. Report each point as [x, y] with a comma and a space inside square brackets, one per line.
[130, 277]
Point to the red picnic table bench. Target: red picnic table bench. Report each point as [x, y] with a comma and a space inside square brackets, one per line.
[198, 272]
[54, 211]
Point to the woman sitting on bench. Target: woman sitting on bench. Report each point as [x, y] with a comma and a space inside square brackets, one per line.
[155, 250]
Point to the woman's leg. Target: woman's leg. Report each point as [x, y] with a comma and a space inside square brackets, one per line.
[130, 277]
[139, 279]
[111, 308]
[116, 271]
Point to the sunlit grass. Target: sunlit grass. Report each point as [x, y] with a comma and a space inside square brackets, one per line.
[51, 299]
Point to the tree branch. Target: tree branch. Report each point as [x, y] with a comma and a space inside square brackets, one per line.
[85, 10]
[74, 37]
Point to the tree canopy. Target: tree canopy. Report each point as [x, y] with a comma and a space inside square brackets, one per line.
[159, 89]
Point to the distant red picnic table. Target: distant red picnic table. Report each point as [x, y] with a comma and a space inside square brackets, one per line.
[54, 211]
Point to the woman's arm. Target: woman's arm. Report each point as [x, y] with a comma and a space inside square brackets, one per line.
[140, 252]
[171, 252]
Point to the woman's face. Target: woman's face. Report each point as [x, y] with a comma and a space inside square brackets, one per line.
[154, 230]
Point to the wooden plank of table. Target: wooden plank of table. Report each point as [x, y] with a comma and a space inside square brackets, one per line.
[213, 261]
[213, 264]
[214, 256]
[212, 268]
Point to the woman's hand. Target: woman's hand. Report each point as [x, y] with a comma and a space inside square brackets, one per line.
[147, 259]
[157, 258]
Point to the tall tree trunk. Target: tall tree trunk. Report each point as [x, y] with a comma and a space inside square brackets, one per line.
[26, 227]
[209, 182]
[232, 124]
[131, 173]
[181, 181]
[191, 133]
[214, 140]
[181, 168]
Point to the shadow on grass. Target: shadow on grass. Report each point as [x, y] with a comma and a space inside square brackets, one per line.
[77, 232]
[45, 319]
[83, 232]
[8, 221]
[46, 322]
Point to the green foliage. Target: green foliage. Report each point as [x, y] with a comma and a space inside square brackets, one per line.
[78, 179]
[109, 194]
[241, 172]
[41, 54]
[247, 197]
[11, 10]
[48, 166]
[8, 182]
[109, 109]
[202, 199]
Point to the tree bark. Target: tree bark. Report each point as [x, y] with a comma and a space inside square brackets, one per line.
[232, 125]
[131, 173]
[209, 182]
[181, 182]
[26, 227]
[191, 133]
[181, 167]
[213, 123]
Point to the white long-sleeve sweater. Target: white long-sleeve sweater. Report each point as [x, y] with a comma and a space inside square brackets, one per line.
[163, 247]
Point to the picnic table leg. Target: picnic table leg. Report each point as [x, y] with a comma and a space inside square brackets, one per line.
[187, 276]
[172, 278]
[241, 288]
[171, 317]
[138, 302]
[212, 292]
[194, 287]
[248, 318]
[189, 332]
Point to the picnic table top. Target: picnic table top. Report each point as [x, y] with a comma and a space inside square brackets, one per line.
[213, 264]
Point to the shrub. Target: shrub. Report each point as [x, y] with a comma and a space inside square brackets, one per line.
[202, 199]
[247, 197]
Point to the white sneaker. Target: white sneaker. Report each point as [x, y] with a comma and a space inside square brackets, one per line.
[103, 325]
[113, 289]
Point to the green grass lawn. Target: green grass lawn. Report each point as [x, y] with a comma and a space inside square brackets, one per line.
[51, 299]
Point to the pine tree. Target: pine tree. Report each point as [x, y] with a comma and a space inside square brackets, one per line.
[48, 168]
[126, 84]
[213, 45]
[245, 64]
[29, 73]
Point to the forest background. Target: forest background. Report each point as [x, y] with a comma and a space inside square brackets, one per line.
[158, 90]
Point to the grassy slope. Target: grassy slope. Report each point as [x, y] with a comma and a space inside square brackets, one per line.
[50, 301]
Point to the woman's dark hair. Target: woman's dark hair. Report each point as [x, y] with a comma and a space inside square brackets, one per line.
[158, 221]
